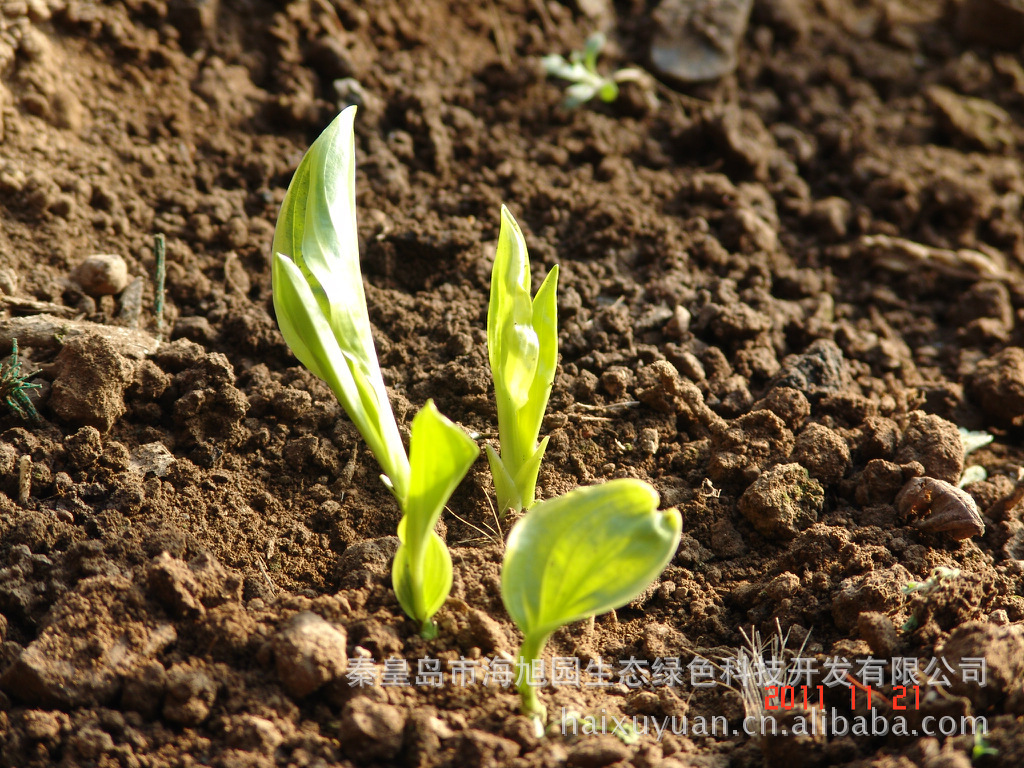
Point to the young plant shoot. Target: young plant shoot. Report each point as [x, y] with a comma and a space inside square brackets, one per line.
[318, 293]
[440, 454]
[522, 344]
[321, 308]
[580, 69]
[587, 552]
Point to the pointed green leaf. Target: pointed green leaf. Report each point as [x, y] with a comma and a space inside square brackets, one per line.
[303, 326]
[505, 488]
[592, 49]
[512, 341]
[318, 292]
[440, 454]
[545, 322]
[585, 553]
[579, 93]
[526, 478]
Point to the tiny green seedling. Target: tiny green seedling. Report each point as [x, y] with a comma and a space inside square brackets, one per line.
[321, 308]
[522, 345]
[935, 580]
[580, 69]
[982, 749]
[14, 386]
[588, 552]
[972, 441]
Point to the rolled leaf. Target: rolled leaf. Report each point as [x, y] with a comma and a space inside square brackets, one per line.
[318, 292]
[522, 346]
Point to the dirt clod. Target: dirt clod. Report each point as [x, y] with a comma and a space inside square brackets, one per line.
[597, 752]
[874, 592]
[89, 387]
[998, 386]
[783, 501]
[84, 447]
[935, 443]
[824, 454]
[190, 694]
[101, 274]
[309, 652]
[1001, 651]
[371, 730]
[187, 590]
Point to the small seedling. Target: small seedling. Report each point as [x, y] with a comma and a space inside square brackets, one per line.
[935, 580]
[318, 293]
[14, 386]
[440, 454]
[321, 308]
[580, 69]
[972, 441]
[981, 748]
[588, 552]
[522, 345]
[975, 473]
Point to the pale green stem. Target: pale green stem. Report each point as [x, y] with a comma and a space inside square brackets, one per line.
[429, 629]
[531, 649]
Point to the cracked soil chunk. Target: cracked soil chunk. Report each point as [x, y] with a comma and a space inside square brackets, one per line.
[783, 501]
[89, 388]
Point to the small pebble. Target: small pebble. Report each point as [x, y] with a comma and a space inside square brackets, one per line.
[102, 274]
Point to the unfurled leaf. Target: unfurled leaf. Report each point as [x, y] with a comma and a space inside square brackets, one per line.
[585, 553]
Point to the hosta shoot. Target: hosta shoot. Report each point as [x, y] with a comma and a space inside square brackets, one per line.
[440, 454]
[318, 293]
[321, 308]
[585, 553]
[522, 344]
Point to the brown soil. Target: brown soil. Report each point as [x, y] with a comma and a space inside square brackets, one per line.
[742, 324]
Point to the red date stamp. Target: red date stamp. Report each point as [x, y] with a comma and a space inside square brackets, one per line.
[786, 697]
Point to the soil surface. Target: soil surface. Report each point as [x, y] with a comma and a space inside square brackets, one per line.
[781, 294]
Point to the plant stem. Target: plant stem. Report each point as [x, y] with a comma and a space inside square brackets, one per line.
[531, 650]
[160, 250]
[429, 630]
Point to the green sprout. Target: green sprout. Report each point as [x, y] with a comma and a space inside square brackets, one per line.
[972, 441]
[588, 552]
[935, 580]
[14, 386]
[318, 293]
[321, 309]
[440, 454]
[522, 345]
[581, 70]
[981, 748]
